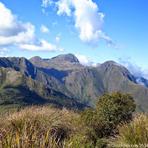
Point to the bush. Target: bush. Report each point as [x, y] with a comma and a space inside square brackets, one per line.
[111, 110]
[134, 133]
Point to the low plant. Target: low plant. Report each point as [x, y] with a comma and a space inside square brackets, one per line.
[37, 127]
[134, 133]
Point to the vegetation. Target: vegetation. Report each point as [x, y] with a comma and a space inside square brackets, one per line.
[37, 127]
[110, 124]
[111, 110]
[73, 86]
[134, 133]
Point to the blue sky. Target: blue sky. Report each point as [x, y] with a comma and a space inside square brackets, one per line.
[114, 29]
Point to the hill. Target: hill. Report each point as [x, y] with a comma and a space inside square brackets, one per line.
[16, 89]
[69, 82]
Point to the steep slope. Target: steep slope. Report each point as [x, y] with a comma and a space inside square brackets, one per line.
[17, 89]
[65, 75]
[83, 82]
[88, 83]
[113, 75]
[27, 68]
[117, 78]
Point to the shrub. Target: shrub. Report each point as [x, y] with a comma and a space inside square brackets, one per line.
[111, 110]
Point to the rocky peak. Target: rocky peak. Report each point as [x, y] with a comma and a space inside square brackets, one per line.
[67, 58]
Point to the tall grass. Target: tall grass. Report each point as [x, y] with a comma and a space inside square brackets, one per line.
[134, 133]
[46, 127]
[37, 127]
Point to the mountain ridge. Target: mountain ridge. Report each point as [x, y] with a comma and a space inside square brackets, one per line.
[84, 84]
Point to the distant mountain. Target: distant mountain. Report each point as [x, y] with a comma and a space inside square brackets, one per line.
[78, 79]
[16, 88]
[61, 62]
[80, 84]
[88, 83]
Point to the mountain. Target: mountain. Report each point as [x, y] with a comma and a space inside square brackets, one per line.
[79, 80]
[117, 78]
[72, 83]
[88, 83]
[61, 62]
[16, 88]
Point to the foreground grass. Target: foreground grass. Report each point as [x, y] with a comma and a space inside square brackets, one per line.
[38, 127]
[134, 134]
[41, 127]
[45, 127]
[110, 124]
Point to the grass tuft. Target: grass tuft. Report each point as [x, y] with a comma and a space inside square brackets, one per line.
[37, 127]
[134, 133]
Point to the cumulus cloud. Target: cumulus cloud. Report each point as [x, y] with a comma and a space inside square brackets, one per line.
[4, 52]
[43, 45]
[133, 68]
[64, 6]
[13, 32]
[46, 3]
[44, 29]
[84, 60]
[87, 18]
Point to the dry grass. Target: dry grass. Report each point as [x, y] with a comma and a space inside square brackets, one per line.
[47, 127]
[38, 127]
[135, 133]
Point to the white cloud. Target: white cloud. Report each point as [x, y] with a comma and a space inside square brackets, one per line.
[58, 38]
[64, 7]
[4, 52]
[44, 29]
[13, 32]
[133, 68]
[21, 37]
[84, 60]
[87, 18]
[41, 46]
[46, 3]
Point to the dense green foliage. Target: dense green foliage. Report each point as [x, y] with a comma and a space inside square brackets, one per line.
[111, 110]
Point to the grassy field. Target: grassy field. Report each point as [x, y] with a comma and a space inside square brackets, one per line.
[38, 127]
[112, 123]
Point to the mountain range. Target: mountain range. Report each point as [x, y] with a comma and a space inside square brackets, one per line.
[62, 81]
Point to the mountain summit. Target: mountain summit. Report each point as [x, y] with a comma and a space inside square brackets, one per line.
[68, 83]
[66, 58]
[60, 62]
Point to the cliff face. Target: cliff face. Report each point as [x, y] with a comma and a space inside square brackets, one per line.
[74, 83]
